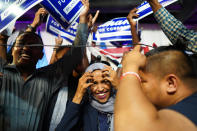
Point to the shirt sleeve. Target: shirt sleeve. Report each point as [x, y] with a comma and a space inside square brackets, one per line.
[70, 118]
[2, 63]
[174, 29]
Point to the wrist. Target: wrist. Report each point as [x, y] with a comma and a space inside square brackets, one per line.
[82, 19]
[136, 75]
[133, 68]
[155, 5]
[77, 99]
[34, 25]
[31, 27]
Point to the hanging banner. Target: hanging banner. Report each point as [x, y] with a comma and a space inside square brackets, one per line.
[11, 10]
[56, 29]
[65, 12]
[118, 29]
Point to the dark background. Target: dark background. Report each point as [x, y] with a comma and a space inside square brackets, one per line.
[184, 10]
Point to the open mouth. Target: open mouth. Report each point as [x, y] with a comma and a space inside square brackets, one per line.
[25, 56]
[101, 95]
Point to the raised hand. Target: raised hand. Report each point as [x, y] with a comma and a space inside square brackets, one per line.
[131, 15]
[133, 60]
[91, 20]
[58, 41]
[38, 19]
[110, 75]
[84, 12]
[84, 82]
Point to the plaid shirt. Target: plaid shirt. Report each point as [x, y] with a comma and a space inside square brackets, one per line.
[175, 29]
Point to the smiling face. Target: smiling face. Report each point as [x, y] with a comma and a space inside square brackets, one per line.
[25, 55]
[101, 88]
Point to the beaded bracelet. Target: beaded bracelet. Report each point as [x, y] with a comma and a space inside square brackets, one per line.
[131, 73]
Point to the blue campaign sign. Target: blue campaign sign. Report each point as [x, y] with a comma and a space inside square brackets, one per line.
[11, 10]
[56, 29]
[65, 12]
[144, 9]
[117, 29]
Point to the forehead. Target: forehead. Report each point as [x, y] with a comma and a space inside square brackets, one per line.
[144, 74]
[97, 73]
[30, 38]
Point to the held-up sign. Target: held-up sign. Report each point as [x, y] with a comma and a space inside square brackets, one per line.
[65, 12]
[11, 10]
[119, 29]
[56, 29]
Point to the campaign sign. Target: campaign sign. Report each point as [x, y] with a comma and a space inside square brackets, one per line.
[65, 12]
[119, 29]
[56, 29]
[144, 9]
[11, 10]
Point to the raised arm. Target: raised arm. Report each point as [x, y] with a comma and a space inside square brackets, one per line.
[38, 19]
[58, 43]
[172, 27]
[3, 46]
[133, 23]
[131, 106]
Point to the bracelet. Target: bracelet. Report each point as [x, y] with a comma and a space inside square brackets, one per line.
[33, 29]
[131, 73]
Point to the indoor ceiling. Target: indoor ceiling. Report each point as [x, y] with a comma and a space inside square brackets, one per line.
[185, 10]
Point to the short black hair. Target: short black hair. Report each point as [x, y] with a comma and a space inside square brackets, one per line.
[172, 59]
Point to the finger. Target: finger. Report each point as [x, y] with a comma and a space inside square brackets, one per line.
[136, 15]
[95, 17]
[106, 74]
[83, 2]
[135, 10]
[88, 85]
[137, 48]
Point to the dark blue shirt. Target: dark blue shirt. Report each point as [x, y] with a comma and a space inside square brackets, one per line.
[187, 107]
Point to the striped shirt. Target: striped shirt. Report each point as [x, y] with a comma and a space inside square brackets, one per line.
[174, 29]
[23, 103]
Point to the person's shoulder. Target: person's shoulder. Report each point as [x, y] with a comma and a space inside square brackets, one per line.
[176, 121]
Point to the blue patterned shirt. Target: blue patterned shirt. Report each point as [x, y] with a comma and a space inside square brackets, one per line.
[175, 29]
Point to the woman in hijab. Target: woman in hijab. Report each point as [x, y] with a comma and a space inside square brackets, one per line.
[95, 113]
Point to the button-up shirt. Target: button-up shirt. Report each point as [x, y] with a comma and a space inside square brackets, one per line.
[23, 103]
[174, 29]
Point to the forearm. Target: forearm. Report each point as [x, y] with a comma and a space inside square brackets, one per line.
[3, 47]
[134, 35]
[53, 57]
[77, 98]
[132, 106]
[31, 28]
[82, 35]
[175, 29]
